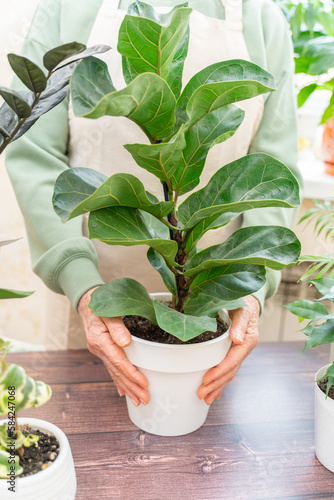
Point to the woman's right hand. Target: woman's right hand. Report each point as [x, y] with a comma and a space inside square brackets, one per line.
[105, 339]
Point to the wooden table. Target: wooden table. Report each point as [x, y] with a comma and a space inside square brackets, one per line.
[257, 442]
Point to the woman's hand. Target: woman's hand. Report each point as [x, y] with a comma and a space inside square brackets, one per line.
[105, 339]
[245, 336]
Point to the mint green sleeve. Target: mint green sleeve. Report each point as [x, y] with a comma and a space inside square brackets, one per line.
[269, 43]
[64, 259]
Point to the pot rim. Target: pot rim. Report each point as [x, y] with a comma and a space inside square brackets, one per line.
[48, 428]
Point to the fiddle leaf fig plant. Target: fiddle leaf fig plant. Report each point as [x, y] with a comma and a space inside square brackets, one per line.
[17, 391]
[181, 127]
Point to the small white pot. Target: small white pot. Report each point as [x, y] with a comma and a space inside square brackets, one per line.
[56, 482]
[174, 372]
[324, 425]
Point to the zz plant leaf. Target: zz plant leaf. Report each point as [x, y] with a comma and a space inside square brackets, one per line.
[181, 127]
[44, 91]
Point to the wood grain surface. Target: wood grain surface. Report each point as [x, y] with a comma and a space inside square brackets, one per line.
[257, 443]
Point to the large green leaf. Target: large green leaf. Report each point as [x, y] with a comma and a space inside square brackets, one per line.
[122, 297]
[325, 286]
[182, 326]
[213, 289]
[29, 73]
[81, 190]
[16, 101]
[320, 334]
[155, 43]
[272, 246]
[13, 294]
[307, 309]
[214, 128]
[147, 100]
[205, 225]
[220, 84]
[126, 226]
[253, 181]
[318, 53]
[160, 159]
[159, 264]
[58, 54]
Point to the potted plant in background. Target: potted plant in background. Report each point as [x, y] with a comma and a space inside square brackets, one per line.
[181, 127]
[312, 27]
[320, 328]
[35, 456]
[318, 334]
[18, 391]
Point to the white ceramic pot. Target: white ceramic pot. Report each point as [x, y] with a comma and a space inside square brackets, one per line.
[324, 425]
[174, 372]
[57, 482]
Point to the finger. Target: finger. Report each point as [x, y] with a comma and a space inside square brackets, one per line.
[120, 391]
[240, 319]
[120, 362]
[213, 395]
[225, 371]
[118, 331]
[135, 393]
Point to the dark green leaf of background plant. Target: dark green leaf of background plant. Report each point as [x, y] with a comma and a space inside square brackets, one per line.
[272, 246]
[29, 73]
[330, 374]
[158, 262]
[325, 286]
[13, 294]
[182, 326]
[126, 226]
[15, 100]
[211, 289]
[70, 194]
[220, 84]
[147, 100]
[319, 334]
[213, 129]
[254, 181]
[121, 297]
[307, 309]
[159, 159]
[157, 44]
[57, 55]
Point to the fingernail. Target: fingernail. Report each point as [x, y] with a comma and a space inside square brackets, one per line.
[207, 383]
[135, 402]
[143, 402]
[210, 401]
[238, 336]
[119, 393]
[124, 341]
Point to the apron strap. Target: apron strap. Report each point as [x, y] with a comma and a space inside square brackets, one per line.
[233, 10]
[114, 4]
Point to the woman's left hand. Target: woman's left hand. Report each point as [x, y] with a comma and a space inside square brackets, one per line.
[245, 336]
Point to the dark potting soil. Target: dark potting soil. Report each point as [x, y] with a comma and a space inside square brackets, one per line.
[323, 386]
[143, 328]
[41, 454]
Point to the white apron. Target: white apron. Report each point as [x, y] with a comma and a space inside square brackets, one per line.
[98, 144]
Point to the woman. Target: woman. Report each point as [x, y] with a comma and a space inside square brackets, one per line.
[67, 261]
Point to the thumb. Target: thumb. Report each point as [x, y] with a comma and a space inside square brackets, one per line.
[118, 331]
[240, 318]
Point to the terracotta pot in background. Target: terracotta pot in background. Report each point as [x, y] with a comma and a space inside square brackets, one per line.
[328, 146]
